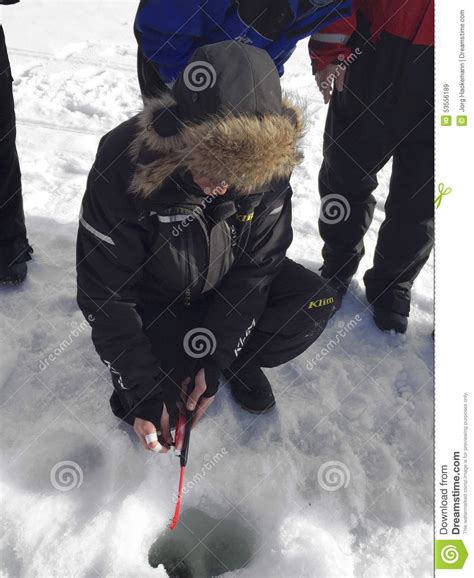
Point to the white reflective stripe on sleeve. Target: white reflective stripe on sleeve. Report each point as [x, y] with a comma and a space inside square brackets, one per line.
[331, 38]
[172, 218]
[95, 232]
[276, 210]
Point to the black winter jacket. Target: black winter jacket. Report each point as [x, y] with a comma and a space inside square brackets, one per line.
[172, 245]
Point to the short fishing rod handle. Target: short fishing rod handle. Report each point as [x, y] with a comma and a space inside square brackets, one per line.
[187, 436]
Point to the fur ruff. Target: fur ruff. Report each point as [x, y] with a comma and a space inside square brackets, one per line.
[245, 152]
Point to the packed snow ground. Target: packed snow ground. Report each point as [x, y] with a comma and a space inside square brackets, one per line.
[367, 404]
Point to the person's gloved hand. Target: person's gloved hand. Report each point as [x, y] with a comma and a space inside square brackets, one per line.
[157, 411]
[202, 395]
[147, 434]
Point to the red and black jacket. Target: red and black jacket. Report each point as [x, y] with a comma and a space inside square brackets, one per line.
[413, 21]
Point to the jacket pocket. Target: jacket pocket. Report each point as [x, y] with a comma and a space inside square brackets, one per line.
[179, 254]
[221, 255]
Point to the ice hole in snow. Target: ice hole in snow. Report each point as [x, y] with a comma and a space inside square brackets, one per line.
[202, 546]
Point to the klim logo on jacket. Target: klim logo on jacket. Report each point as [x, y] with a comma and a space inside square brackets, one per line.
[244, 218]
[321, 302]
[243, 339]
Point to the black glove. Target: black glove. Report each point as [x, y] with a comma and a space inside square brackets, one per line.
[148, 404]
[211, 374]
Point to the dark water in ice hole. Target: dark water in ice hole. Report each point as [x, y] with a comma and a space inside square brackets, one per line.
[226, 545]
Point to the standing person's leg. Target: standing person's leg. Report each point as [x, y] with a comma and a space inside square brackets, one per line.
[14, 247]
[406, 236]
[347, 208]
[356, 142]
[151, 84]
[299, 306]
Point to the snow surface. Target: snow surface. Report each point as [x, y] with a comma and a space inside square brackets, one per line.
[366, 404]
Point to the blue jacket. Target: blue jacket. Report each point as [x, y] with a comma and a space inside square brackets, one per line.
[169, 31]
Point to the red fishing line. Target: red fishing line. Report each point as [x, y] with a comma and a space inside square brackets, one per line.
[175, 520]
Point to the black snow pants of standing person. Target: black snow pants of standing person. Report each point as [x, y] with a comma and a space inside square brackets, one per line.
[151, 84]
[14, 246]
[299, 306]
[385, 111]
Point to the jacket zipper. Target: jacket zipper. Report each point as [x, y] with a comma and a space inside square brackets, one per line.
[187, 297]
[201, 220]
[187, 292]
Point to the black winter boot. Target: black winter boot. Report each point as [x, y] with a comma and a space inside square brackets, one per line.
[14, 274]
[251, 389]
[388, 320]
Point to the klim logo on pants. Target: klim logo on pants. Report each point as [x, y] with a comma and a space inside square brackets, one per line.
[243, 339]
[321, 303]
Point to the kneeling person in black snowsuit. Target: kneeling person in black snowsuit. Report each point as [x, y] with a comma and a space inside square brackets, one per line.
[181, 250]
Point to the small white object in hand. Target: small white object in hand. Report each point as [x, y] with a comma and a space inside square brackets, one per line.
[153, 437]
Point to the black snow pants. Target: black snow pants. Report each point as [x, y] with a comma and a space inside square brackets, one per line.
[151, 84]
[385, 111]
[14, 246]
[299, 306]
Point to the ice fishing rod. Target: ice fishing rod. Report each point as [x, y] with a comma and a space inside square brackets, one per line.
[183, 432]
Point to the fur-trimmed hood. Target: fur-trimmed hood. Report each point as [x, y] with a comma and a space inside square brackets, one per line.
[246, 152]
